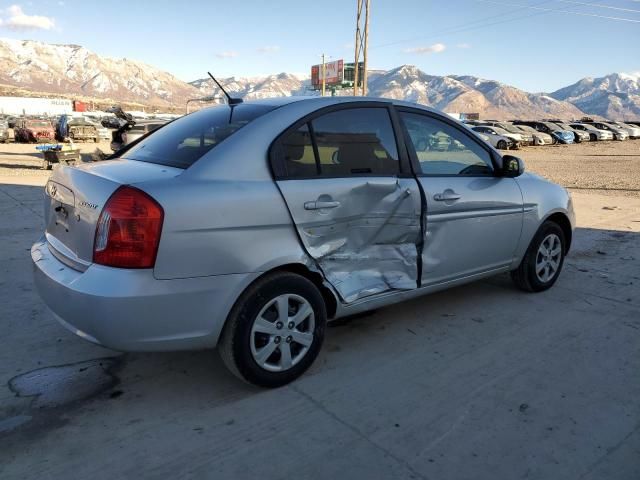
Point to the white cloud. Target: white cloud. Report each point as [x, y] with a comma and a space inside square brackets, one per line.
[16, 19]
[228, 54]
[269, 49]
[463, 45]
[435, 48]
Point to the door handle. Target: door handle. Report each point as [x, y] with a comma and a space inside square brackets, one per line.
[319, 205]
[446, 196]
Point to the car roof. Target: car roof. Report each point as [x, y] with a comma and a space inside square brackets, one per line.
[327, 101]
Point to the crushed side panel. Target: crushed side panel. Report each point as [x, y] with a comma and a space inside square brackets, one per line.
[370, 246]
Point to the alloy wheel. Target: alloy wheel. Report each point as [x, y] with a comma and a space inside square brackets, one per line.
[548, 258]
[282, 332]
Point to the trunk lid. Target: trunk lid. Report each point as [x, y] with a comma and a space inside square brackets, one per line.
[75, 196]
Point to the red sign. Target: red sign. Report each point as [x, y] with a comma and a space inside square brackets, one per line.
[333, 73]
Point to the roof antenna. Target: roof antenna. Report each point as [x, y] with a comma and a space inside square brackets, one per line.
[230, 101]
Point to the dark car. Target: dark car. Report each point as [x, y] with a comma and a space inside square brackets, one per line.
[30, 130]
[559, 134]
[131, 129]
[78, 129]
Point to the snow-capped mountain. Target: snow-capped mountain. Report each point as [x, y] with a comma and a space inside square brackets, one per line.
[72, 69]
[281, 85]
[616, 95]
[76, 72]
[448, 93]
[455, 93]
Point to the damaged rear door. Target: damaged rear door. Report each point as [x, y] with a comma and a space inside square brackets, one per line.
[346, 180]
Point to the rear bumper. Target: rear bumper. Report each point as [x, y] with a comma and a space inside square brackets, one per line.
[130, 310]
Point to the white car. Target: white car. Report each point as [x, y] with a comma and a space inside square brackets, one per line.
[632, 130]
[618, 133]
[499, 138]
[526, 138]
[539, 138]
[594, 133]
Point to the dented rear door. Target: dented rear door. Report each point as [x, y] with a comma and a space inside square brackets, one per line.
[355, 211]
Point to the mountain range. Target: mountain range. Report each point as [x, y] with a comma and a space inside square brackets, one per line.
[72, 70]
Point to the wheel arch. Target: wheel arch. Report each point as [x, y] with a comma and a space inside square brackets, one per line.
[314, 276]
[562, 220]
[330, 300]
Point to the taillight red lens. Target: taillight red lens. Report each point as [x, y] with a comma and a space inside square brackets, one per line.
[128, 230]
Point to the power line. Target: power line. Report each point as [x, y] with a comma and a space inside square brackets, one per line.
[619, 19]
[468, 26]
[599, 5]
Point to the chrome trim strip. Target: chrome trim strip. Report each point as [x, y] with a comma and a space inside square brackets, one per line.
[446, 216]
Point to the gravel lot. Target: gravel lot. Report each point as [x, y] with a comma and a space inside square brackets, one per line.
[610, 168]
[478, 382]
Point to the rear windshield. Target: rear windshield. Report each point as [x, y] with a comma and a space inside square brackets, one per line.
[187, 139]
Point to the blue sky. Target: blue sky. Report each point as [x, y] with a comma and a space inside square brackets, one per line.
[536, 50]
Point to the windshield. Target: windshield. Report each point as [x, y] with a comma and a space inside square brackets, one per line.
[185, 140]
[564, 126]
[526, 128]
[510, 128]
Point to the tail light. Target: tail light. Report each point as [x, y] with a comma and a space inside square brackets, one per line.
[128, 230]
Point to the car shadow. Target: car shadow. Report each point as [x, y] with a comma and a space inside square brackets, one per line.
[24, 154]
[23, 165]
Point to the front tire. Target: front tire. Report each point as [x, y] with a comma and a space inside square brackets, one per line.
[543, 260]
[502, 145]
[274, 331]
[593, 137]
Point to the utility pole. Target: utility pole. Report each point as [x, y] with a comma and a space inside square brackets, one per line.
[357, 58]
[362, 41]
[323, 75]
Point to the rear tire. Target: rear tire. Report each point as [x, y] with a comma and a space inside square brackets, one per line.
[265, 345]
[542, 263]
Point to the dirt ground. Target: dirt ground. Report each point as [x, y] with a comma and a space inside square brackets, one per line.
[477, 382]
[609, 168]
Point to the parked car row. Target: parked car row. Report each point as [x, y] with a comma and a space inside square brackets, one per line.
[517, 133]
[120, 129]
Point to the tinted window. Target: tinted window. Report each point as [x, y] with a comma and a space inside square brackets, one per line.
[185, 140]
[444, 150]
[356, 141]
[297, 152]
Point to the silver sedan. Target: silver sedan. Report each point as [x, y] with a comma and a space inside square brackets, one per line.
[249, 226]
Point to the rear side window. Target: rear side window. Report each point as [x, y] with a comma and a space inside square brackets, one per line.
[297, 151]
[185, 140]
[354, 141]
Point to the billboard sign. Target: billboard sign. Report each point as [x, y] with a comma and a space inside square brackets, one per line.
[333, 73]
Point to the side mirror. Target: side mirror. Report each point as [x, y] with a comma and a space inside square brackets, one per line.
[512, 166]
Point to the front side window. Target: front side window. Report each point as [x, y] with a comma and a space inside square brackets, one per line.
[444, 150]
[187, 139]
